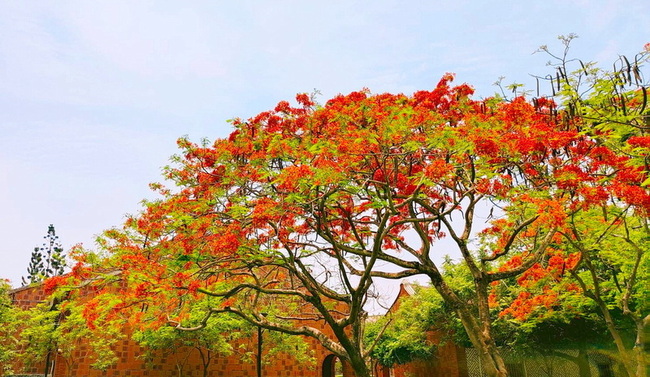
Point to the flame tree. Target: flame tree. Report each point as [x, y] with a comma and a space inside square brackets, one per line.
[288, 221]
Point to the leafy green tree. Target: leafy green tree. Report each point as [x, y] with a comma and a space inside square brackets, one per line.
[614, 273]
[35, 268]
[214, 338]
[40, 335]
[558, 330]
[401, 336]
[58, 327]
[583, 296]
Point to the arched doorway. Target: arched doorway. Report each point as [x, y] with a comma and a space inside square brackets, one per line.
[332, 367]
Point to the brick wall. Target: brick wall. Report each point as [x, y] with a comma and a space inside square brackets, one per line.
[25, 298]
[162, 364]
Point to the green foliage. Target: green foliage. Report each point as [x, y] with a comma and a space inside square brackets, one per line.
[616, 258]
[278, 343]
[404, 333]
[59, 327]
[216, 336]
[574, 325]
[9, 321]
[612, 103]
[614, 270]
[38, 335]
[35, 268]
[605, 285]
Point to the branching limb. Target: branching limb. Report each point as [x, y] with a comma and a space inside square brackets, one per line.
[536, 256]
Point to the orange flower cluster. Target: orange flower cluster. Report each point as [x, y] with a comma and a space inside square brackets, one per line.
[51, 284]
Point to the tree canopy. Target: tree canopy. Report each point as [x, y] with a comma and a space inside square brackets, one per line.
[287, 222]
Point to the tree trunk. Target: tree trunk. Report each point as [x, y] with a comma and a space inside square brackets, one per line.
[47, 363]
[478, 328]
[352, 344]
[639, 347]
[481, 338]
[634, 365]
[206, 358]
[359, 366]
[583, 363]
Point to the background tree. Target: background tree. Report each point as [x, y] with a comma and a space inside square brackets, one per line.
[46, 261]
[608, 275]
[401, 336]
[569, 333]
[35, 268]
[614, 274]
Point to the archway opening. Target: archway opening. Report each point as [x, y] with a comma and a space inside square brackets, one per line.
[332, 367]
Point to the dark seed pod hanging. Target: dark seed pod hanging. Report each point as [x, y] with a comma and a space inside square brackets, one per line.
[628, 69]
[637, 74]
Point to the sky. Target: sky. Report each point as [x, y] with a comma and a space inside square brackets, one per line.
[94, 94]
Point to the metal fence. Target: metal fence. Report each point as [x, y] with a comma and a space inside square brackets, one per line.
[544, 365]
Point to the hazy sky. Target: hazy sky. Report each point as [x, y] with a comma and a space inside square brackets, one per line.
[94, 94]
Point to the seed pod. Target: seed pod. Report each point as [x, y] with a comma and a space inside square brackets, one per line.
[628, 69]
[637, 74]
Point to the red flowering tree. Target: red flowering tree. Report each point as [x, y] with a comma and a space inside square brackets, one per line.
[608, 245]
[287, 222]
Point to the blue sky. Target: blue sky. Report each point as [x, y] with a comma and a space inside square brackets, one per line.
[94, 94]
